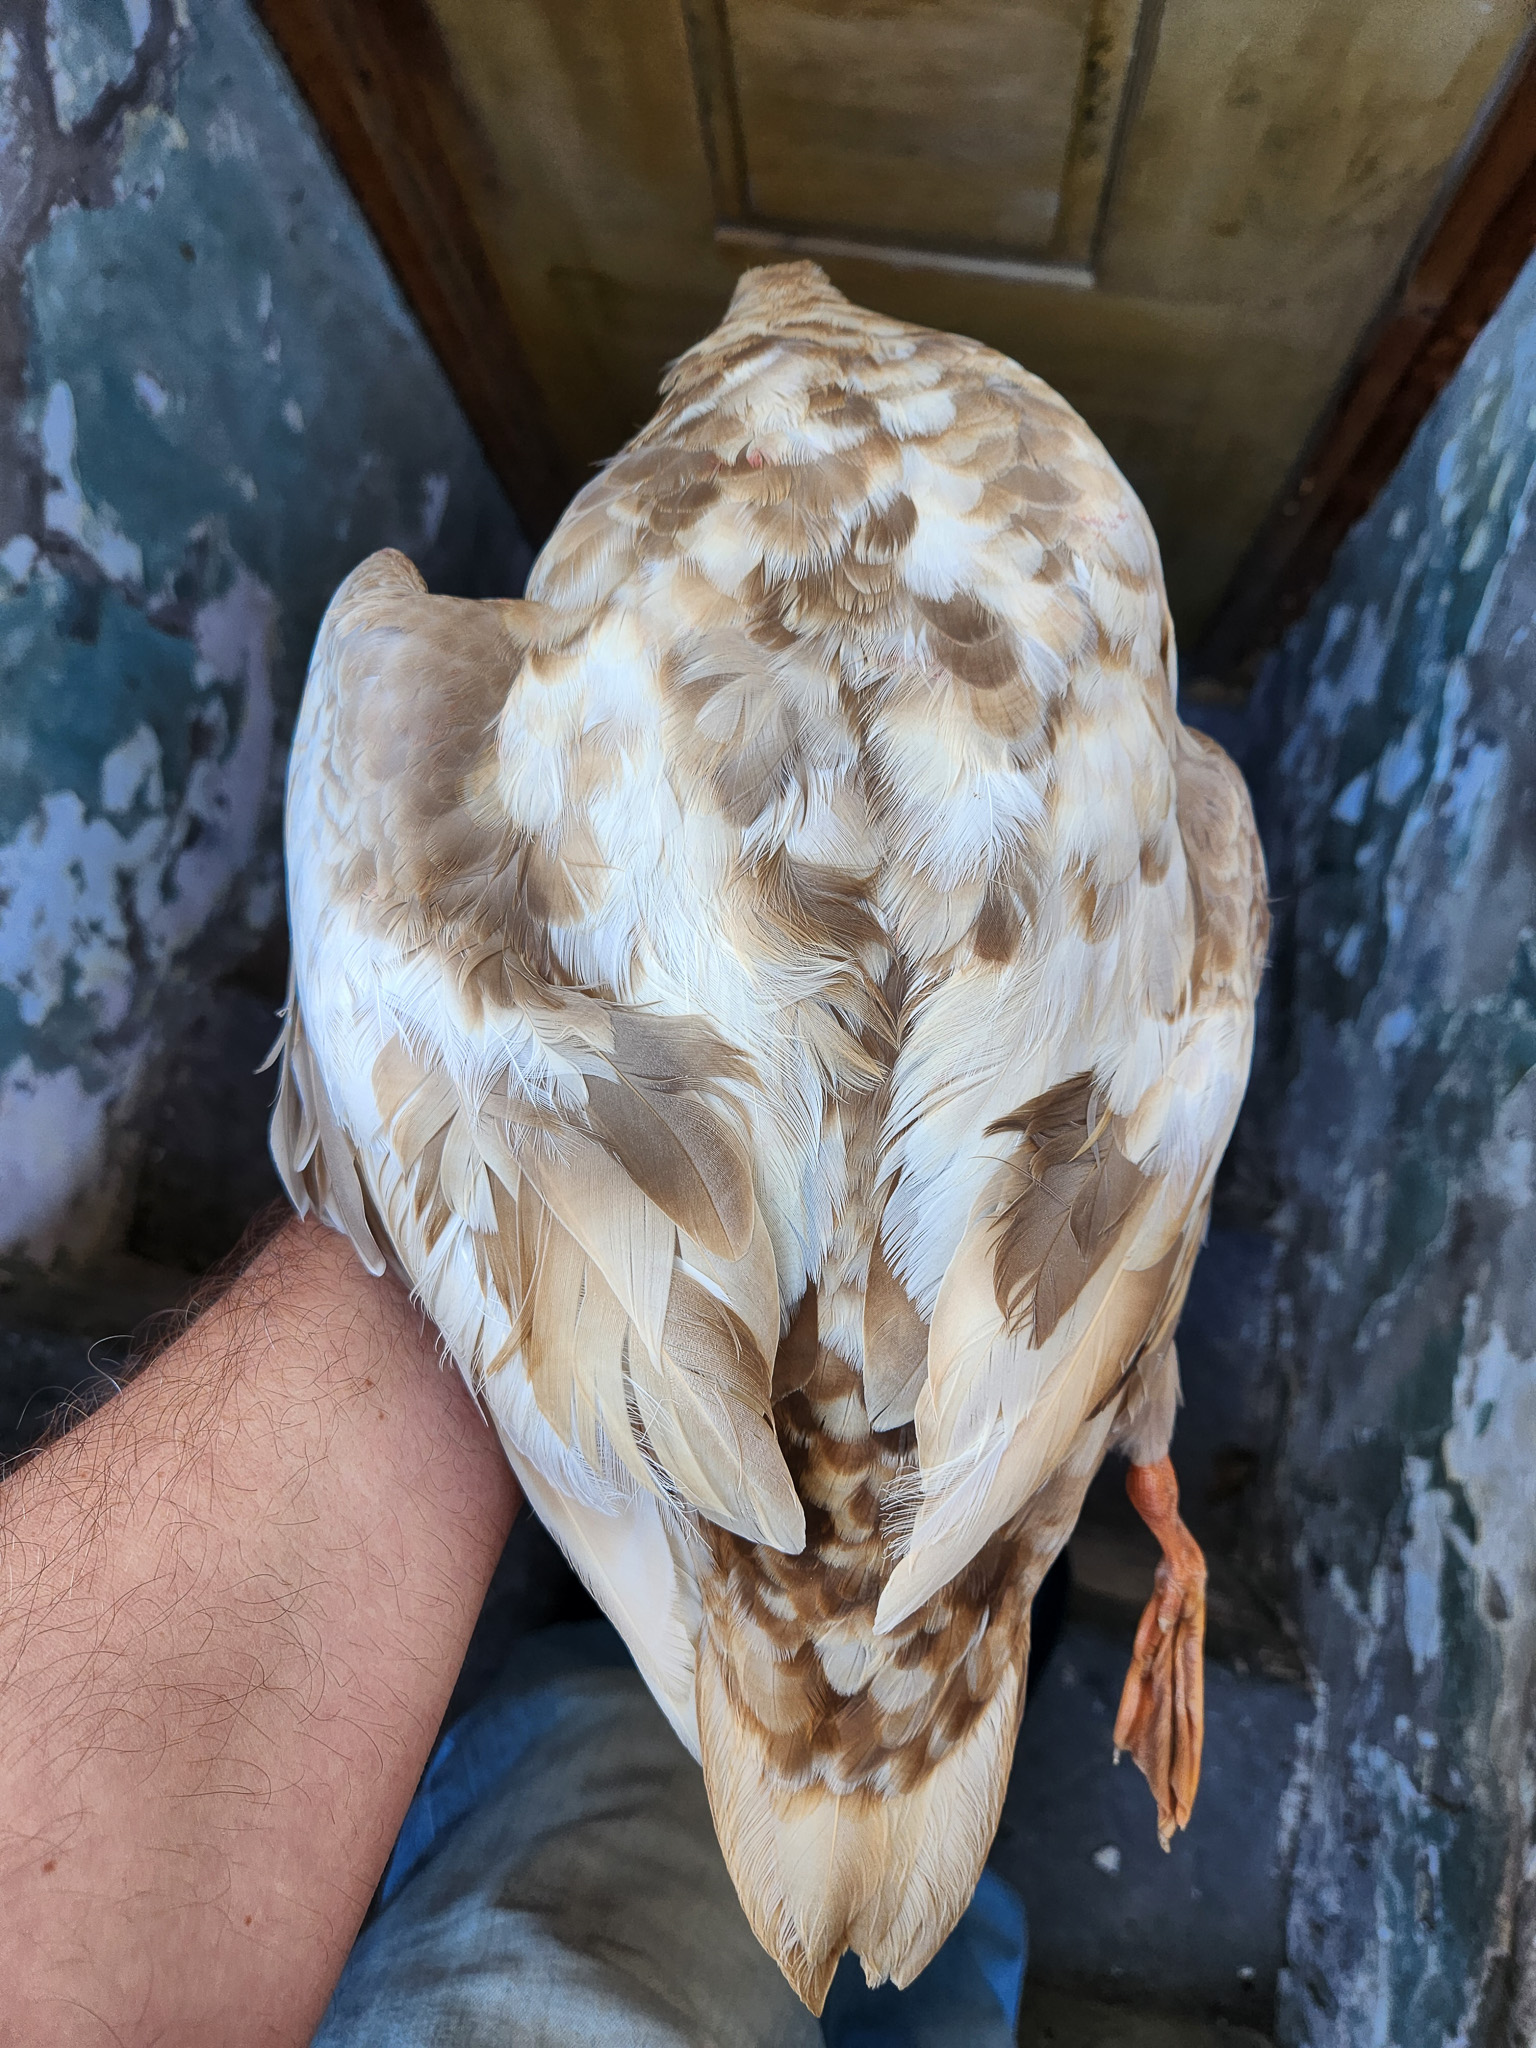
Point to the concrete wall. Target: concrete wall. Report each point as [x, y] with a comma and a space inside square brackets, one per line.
[212, 404]
[1394, 1113]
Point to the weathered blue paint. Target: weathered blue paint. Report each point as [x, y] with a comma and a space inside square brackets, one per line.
[212, 404]
[1401, 820]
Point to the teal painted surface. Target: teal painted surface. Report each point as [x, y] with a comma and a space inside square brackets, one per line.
[1401, 1078]
[212, 404]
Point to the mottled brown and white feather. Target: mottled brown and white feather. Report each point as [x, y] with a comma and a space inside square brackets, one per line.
[780, 993]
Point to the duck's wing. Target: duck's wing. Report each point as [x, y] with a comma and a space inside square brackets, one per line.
[563, 1172]
[1133, 1026]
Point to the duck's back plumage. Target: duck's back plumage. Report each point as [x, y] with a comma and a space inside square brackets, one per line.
[780, 993]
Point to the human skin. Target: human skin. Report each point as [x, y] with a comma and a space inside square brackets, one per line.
[235, 1601]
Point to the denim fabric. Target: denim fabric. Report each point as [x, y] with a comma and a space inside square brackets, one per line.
[557, 1881]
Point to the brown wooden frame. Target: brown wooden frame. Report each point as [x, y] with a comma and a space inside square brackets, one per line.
[380, 84]
[1446, 296]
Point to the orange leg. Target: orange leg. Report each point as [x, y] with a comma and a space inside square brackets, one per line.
[1162, 1710]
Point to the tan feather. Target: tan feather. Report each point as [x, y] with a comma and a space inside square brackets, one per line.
[575, 1342]
[895, 1346]
[1070, 1194]
[805, 900]
[315, 1160]
[680, 1154]
[704, 1410]
[628, 1239]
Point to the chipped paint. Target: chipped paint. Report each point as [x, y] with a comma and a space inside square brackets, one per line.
[212, 404]
[1396, 1103]
[56, 1193]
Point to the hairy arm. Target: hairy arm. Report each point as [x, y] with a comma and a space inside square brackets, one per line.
[235, 1600]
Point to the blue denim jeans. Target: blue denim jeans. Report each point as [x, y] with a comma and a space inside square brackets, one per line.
[557, 1883]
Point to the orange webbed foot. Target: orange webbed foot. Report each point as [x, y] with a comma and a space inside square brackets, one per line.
[1162, 1709]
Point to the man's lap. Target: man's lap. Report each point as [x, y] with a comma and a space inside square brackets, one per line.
[558, 1881]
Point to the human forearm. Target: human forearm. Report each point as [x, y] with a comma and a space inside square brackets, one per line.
[235, 1602]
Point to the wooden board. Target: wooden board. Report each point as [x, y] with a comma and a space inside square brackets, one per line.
[1183, 215]
[1445, 297]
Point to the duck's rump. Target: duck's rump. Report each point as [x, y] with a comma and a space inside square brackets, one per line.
[857, 1779]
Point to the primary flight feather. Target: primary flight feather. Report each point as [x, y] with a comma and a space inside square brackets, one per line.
[780, 992]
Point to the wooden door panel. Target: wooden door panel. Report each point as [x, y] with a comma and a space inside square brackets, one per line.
[983, 133]
[958, 136]
[1183, 213]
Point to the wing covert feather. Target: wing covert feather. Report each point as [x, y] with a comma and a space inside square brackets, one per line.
[592, 1153]
[1072, 1268]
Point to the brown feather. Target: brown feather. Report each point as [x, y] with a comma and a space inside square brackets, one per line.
[682, 1155]
[1072, 1192]
[895, 1346]
[795, 1359]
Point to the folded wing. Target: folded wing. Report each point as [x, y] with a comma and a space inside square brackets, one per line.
[564, 1178]
[1074, 1260]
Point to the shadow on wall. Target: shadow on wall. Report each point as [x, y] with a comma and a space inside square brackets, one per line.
[213, 403]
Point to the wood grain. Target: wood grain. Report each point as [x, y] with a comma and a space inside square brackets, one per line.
[1446, 297]
[564, 184]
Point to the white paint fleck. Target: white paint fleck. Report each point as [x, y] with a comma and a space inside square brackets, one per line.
[1470, 799]
[1401, 765]
[1487, 1451]
[18, 556]
[151, 393]
[264, 297]
[227, 138]
[84, 56]
[1360, 678]
[65, 509]
[1349, 805]
[434, 504]
[131, 774]
[293, 416]
[1351, 946]
[243, 482]
[1395, 1029]
[1502, 479]
[1509, 1171]
[88, 909]
[1107, 1859]
[54, 1141]
[233, 636]
[1476, 551]
[1455, 698]
[1423, 1562]
[83, 903]
[65, 883]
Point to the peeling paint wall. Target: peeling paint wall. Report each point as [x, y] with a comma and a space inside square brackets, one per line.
[212, 404]
[1396, 1105]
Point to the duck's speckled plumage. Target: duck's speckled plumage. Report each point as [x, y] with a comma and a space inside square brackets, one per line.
[804, 916]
